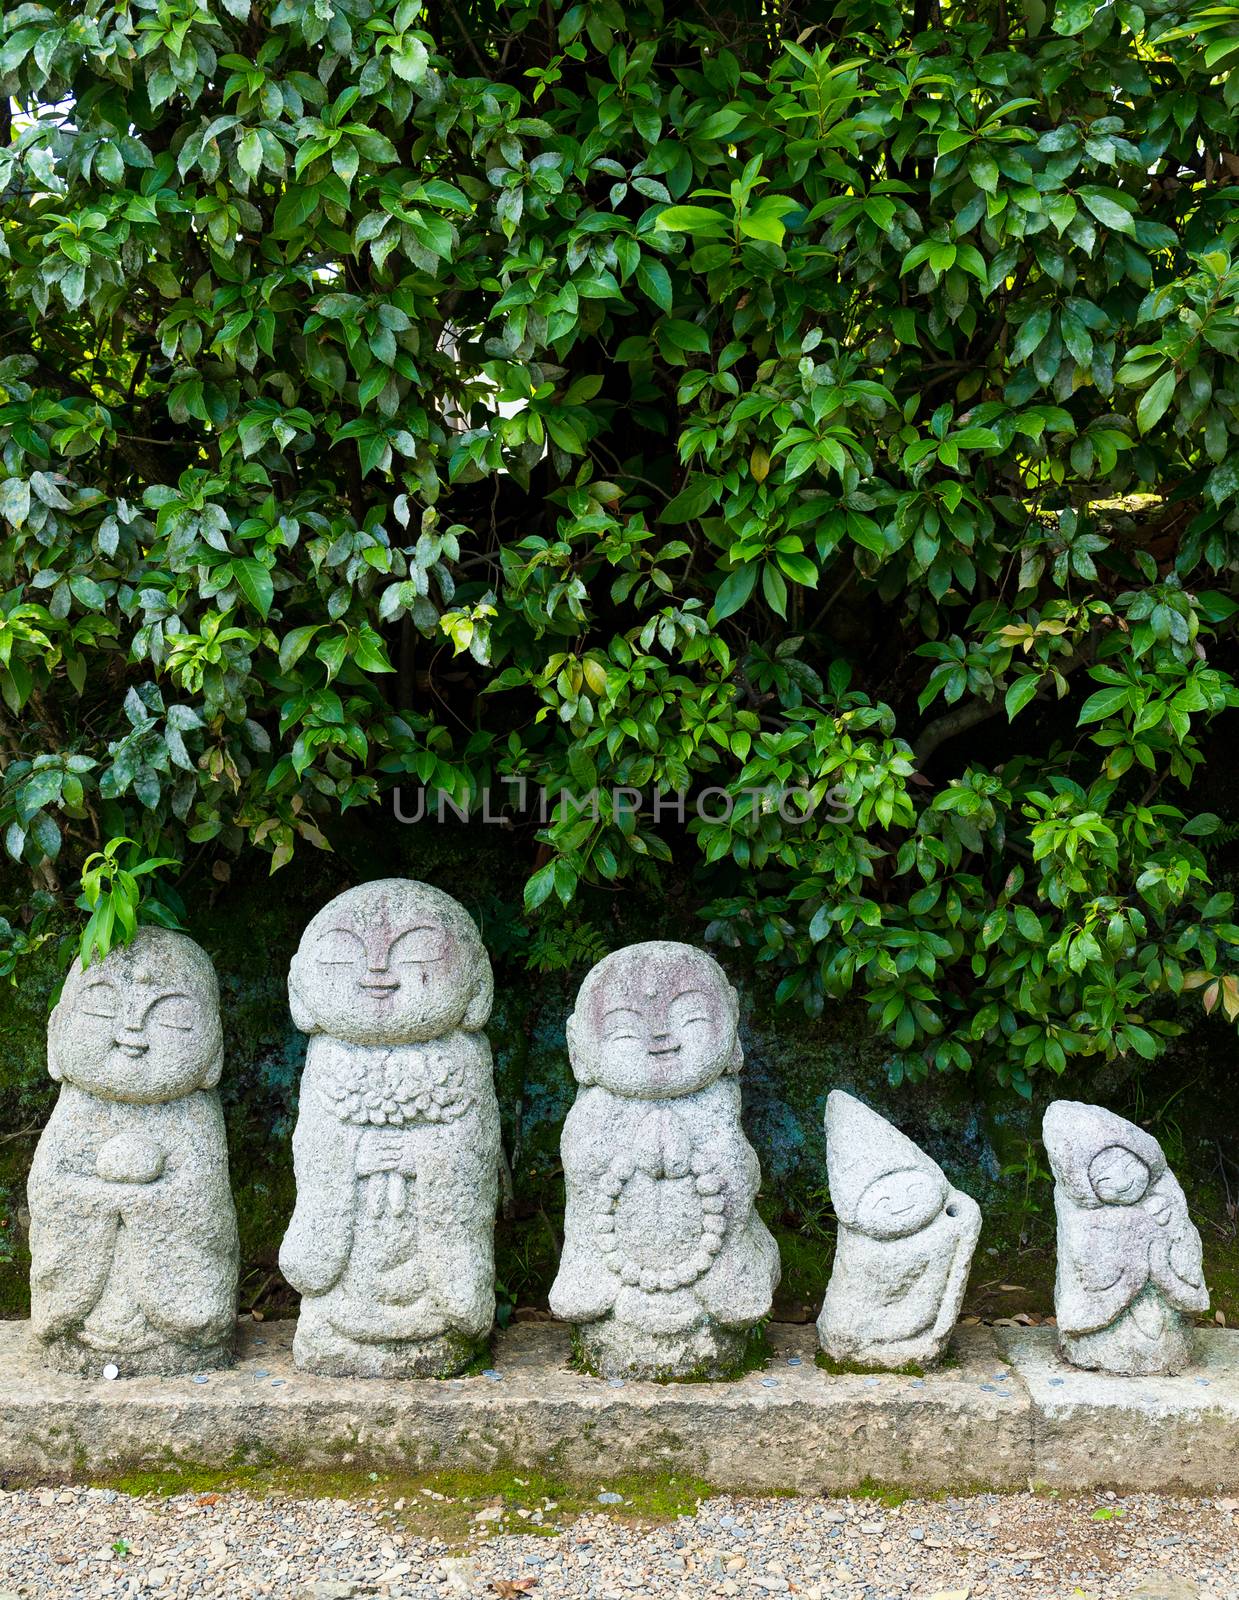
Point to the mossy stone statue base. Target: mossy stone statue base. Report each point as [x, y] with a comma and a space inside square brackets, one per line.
[616, 1350]
[444, 1356]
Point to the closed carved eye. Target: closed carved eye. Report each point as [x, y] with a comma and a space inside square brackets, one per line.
[621, 1023]
[686, 1009]
[340, 947]
[175, 1011]
[417, 946]
[99, 1000]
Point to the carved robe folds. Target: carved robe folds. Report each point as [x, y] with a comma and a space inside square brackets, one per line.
[666, 1264]
[133, 1235]
[1129, 1258]
[396, 1148]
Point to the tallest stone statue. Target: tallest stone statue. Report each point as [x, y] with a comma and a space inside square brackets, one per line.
[396, 1149]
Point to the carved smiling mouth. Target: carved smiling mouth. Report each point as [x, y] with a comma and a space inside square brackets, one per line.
[379, 985]
[133, 1051]
[667, 1050]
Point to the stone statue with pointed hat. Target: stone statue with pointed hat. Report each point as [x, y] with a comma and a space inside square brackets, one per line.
[904, 1246]
[1129, 1258]
[396, 1148]
[133, 1235]
[666, 1265]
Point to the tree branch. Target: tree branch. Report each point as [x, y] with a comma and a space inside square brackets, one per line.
[974, 712]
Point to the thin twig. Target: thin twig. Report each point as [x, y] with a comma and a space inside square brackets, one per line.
[22, 1133]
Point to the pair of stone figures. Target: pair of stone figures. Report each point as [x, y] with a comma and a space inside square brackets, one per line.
[666, 1266]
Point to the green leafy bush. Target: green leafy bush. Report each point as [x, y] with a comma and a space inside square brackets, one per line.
[832, 405]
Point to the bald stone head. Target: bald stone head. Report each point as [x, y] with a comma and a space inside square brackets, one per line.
[390, 962]
[654, 1021]
[141, 1025]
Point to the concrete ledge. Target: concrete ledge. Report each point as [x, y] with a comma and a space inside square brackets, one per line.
[1005, 1413]
[1092, 1429]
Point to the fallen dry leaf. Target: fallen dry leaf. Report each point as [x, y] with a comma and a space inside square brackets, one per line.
[207, 1500]
[512, 1588]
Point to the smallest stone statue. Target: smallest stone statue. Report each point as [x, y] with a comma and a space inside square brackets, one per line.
[133, 1235]
[1129, 1259]
[904, 1247]
[666, 1265]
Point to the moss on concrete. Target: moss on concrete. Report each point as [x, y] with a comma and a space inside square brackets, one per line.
[849, 1369]
[440, 1505]
[755, 1355]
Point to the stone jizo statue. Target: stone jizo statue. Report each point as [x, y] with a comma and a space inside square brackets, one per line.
[1129, 1259]
[904, 1247]
[133, 1235]
[396, 1149]
[666, 1265]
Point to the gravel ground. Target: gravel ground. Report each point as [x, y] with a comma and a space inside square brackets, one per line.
[79, 1544]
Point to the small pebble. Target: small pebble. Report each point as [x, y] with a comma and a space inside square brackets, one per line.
[615, 1383]
[607, 1498]
[495, 1377]
[201, 1377]
[111, 1370]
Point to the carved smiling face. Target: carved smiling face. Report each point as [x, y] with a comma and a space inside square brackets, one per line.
[390, 962]
[654, 1020]
[142, 1025]
[1118, 1176]
[898, 1204]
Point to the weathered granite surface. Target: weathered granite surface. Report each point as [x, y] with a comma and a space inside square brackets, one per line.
[666, 1265]
[904, 1246]
[396, 1148]
[133, 1235]
[1110, 1430]
[1129, 1272]
[1007, 1412]
[809, 1432]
